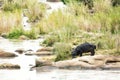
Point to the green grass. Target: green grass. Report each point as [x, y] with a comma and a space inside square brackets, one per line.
[62, 51]
[76, 25]
[16, 32]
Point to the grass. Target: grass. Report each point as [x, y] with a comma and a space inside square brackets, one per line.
[35, 11]
[75, 24]
[16, 32]
[11, 5]
[9, 20]
[63, 52]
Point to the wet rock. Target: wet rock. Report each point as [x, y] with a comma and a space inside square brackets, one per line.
[9, 66]
[29, 52]
[20, 51]
[43, 53]
[23, 37]
[45, 49]
[6, 54]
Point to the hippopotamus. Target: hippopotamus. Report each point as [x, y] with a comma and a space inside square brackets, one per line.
[84, 48]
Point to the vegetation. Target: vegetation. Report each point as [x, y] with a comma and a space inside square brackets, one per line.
[94, 21]
[62, 51]
[16, 32]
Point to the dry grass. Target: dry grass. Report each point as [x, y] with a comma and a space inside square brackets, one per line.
[9, 20]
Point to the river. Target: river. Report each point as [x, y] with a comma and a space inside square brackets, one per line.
[26, 62]
[60, 75]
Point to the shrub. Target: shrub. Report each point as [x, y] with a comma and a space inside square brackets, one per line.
[11, 5]
[31, 34]
[15, 33]
[62, 51]
[35, 11]
[50, 40]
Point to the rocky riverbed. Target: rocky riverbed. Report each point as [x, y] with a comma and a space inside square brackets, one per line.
[86, 62]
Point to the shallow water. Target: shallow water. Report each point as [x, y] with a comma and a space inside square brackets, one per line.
[26, 62]
[12, 45]
[60, 75]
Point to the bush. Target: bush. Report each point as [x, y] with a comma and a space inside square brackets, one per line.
[15, 33]
[11, 5]
[50, 40]
[62, 51]
[31, 34]
[35, 11]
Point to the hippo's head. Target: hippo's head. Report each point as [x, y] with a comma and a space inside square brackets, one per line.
[74, 54]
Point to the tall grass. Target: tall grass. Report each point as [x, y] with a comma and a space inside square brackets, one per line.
[62, 51]
[9, 20]
[12, 5]
[35, 11]
[77, 25]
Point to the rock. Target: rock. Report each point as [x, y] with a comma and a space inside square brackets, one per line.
[43, 53]
[73, 64]
[53, 0]
[4, 35]
[45, 68]
[85, 62]
[20, 51]
[45, 49]
[29, 52]
[40, 62]
[100, 57]
[7, 54]
[90, 62]
[9, 66]
[23, 37]
[49, 57]
[112, 61]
